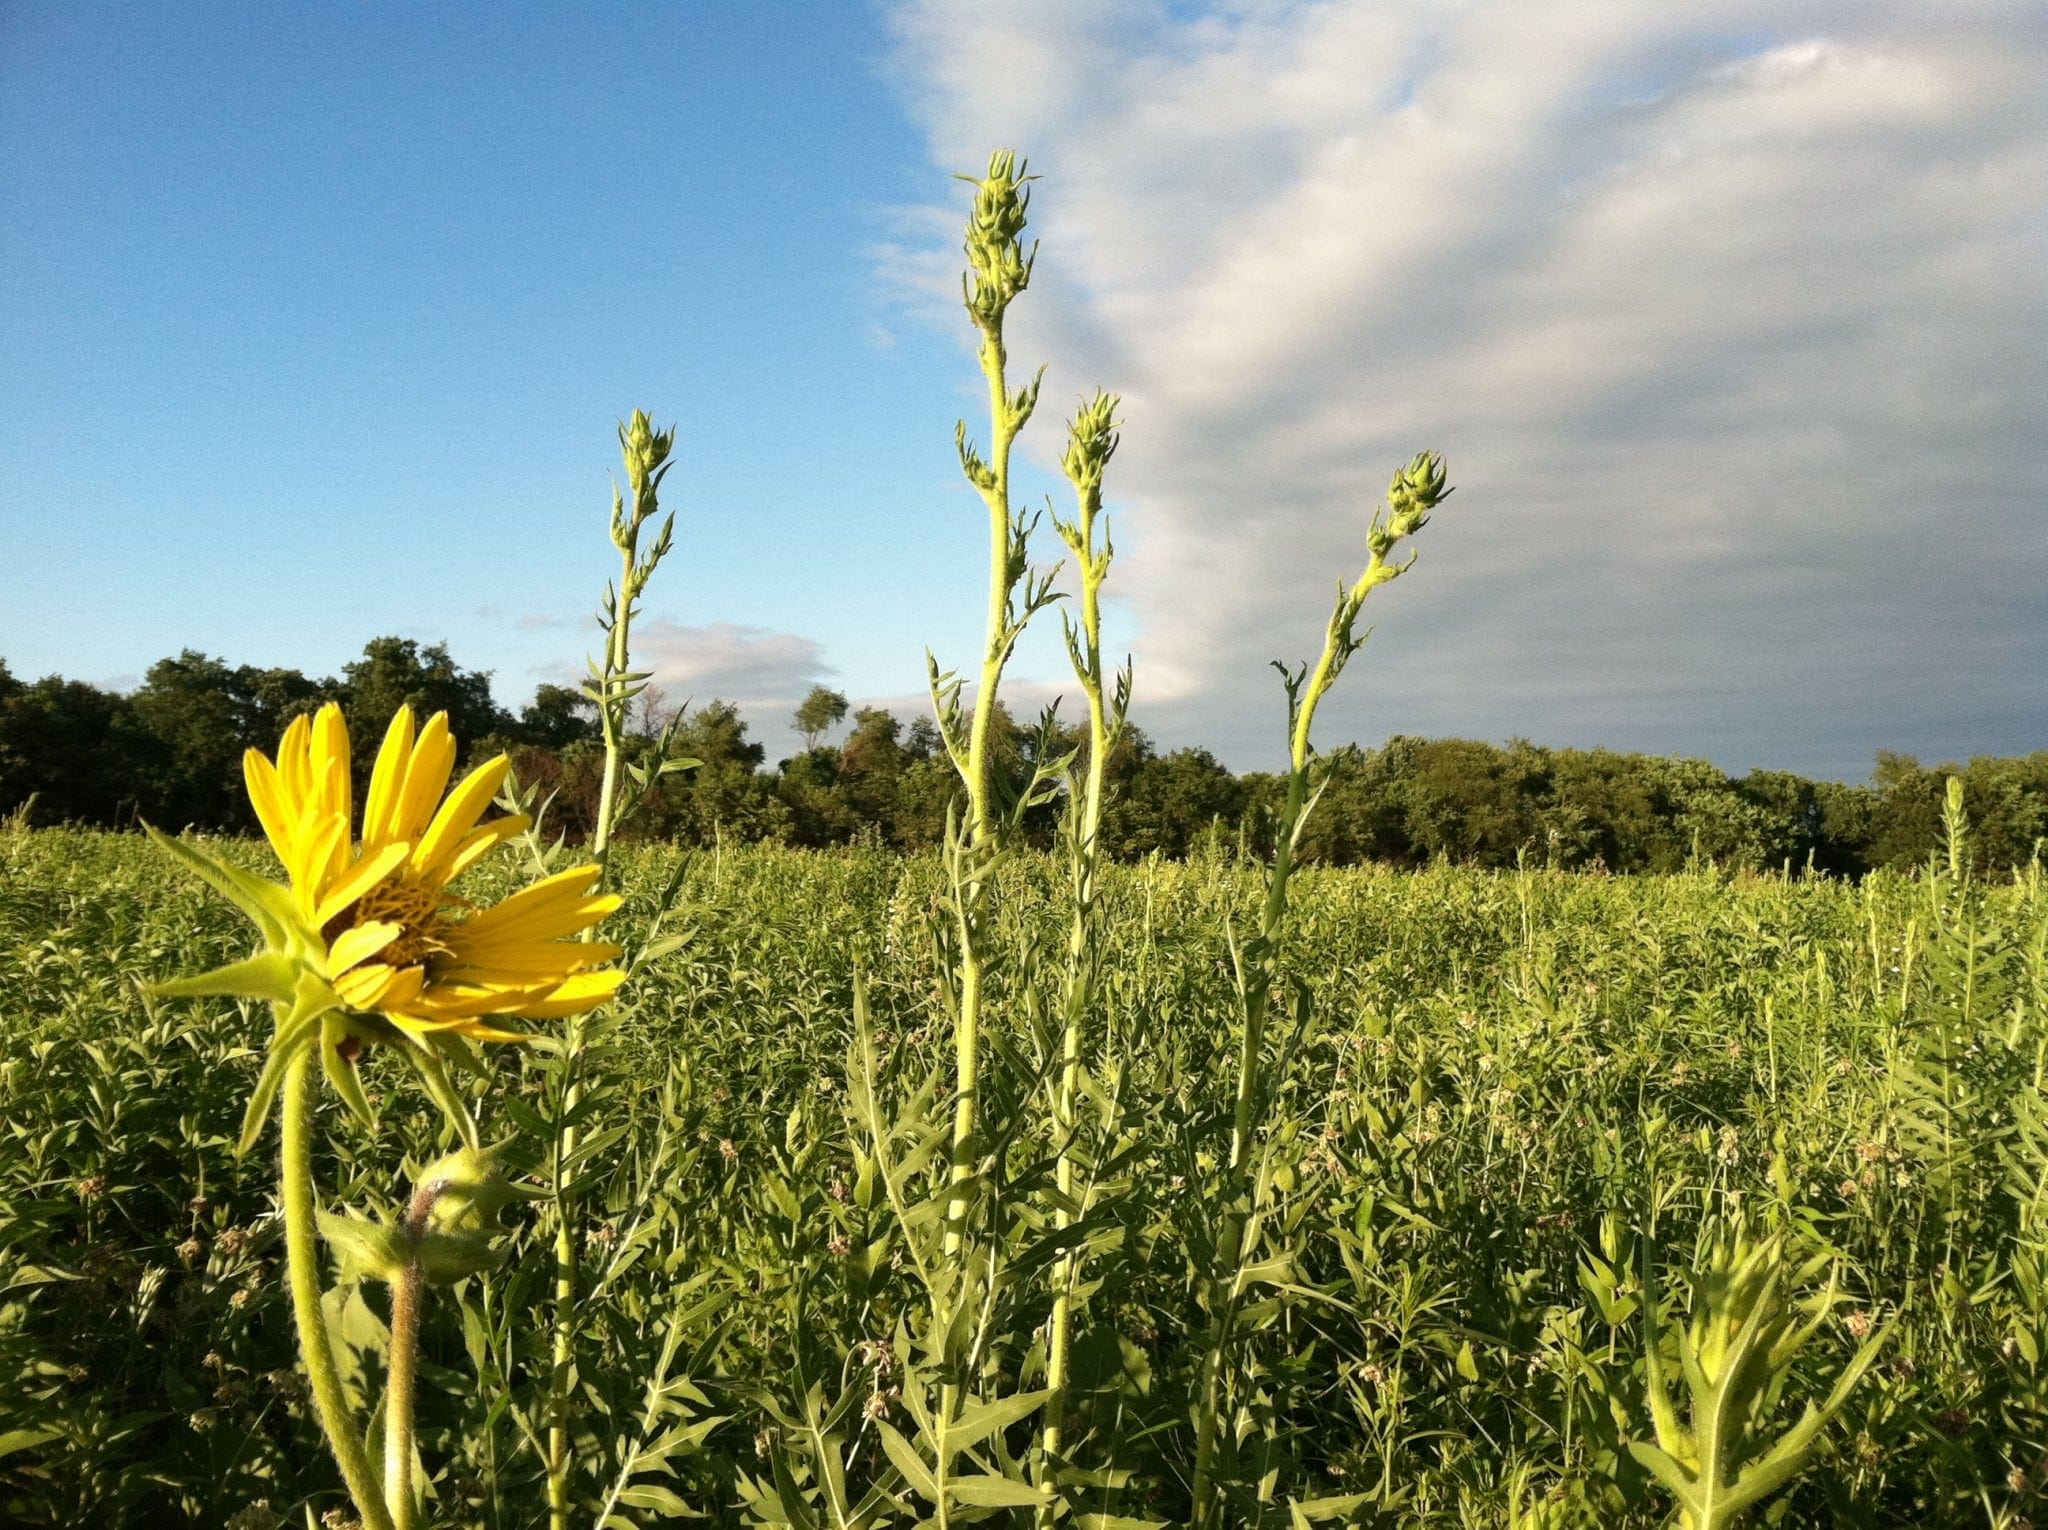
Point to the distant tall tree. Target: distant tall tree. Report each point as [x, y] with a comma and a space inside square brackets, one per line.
[1907, 825]
[194, 706]
[395, 672]
[558, 716]
[818, 714]
[78, 751]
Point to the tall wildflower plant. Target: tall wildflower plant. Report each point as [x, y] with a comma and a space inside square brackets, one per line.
[1716, 1452]
[614, 686]
[1091, 442]
[1235, 1269]
[368, 945]
[998, 272]
[963, 1280]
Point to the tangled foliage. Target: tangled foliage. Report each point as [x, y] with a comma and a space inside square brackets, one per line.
[1501, 1076]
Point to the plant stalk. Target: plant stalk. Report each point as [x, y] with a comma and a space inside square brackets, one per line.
[408, 1296]
[302, 1271]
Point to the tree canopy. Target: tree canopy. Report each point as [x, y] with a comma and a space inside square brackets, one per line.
[170, 752]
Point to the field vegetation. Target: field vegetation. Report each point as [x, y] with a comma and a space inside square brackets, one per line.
[1504, 1091]
[1005, 1181]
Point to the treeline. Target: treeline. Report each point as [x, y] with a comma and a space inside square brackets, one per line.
[170, 753]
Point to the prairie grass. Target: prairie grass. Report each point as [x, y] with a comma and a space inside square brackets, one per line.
[1498, 1078]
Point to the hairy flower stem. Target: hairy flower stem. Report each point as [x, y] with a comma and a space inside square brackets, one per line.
[408, 1295]
[302, 1271]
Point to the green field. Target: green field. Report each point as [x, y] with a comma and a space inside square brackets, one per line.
[1488, 1087]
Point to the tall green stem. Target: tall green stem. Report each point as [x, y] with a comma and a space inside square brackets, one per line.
[1416, 490]
[1092, 440]
[1000, 272]
[302, 1268]
[646, 452]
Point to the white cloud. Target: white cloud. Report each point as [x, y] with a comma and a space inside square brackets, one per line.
[1729, 318]
[764, 673]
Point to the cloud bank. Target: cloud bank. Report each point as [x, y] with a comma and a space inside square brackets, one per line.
[1729, 318]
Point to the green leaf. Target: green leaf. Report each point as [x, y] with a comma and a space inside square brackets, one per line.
[25, 1439]
[990, 1492]
[907, 1461]
[451, 1256]
[268, 906]
[652, 1495]
[293, 1034]
[977, 1421]
[340, 1071]
[367, 1250]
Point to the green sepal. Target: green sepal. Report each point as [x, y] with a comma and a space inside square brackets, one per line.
[268, 905]
[367, 1250]
[294, 1032]
[446, 1257]
[428, 1062]
[340, 1071]
[268, 975]
[468, 1191]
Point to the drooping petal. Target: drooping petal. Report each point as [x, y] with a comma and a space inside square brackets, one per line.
[553, 906]
[366, 874]
[358, 944]
[583, 991]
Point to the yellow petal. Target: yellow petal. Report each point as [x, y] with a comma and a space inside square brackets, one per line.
[426, 777]
[266, 795]
[378, 987]
[458, 815]
[293, 770]
[317, 858]
[586, 990]
[539, 905]
[387, 780]
[358, 944]
[480, 842]
[366, 874]
[330, 762]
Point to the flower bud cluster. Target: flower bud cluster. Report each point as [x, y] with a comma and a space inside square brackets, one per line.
[1091, 442]
[1416, 490]
[995, 249]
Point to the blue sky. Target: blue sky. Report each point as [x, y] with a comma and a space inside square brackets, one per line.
[317, 322]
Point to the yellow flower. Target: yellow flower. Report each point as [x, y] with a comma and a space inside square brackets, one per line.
[398, 942]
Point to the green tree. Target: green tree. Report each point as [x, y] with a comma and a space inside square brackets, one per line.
[1170, 803]
[395, 672]
[192, 705]
[818, 714]
[1907, 822]
[558, 716]
[79, 752]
